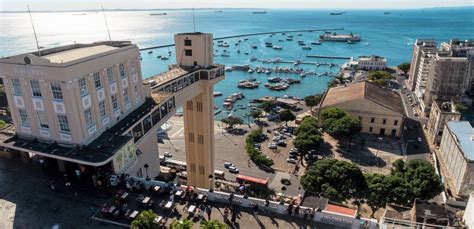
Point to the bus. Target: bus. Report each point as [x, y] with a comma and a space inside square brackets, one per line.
[218, 174]
[242, 179]
[178, 165]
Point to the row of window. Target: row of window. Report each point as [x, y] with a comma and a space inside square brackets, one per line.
[43, 122]
[384, 121]
[36, 89]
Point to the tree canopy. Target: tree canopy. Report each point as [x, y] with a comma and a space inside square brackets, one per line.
[144, 220]
[256, 113]
[379, 77]
[307, 135]
[334, 179]
[405, 67]
[232, 121]
[338, 123]
[212, 224]
[256, 155]
[181, 224]
[461, 108]
[312, 100]
[267, 106]
[286, 115]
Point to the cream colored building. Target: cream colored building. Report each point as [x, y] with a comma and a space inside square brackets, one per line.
[457, 152]
[380, 110]
[371, 62]
[419, 46]
[441, 113]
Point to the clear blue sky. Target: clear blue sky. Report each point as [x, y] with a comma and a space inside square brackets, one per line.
[11, 5]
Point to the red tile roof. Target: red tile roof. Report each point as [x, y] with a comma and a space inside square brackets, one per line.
[340, 210]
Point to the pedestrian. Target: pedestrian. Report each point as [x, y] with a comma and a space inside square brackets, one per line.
[78, 174]
[209, 211]
[234, 216]
[312, 212]
[297, 210]
[65, 177]
[52, 185]
[306, 212]
[255, 210]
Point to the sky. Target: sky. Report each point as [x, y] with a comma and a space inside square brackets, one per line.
[36, 5]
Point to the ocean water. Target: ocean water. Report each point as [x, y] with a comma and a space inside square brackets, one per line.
[388, 35]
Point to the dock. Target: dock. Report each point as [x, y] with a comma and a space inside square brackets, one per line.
[329, 57]
[250, 34]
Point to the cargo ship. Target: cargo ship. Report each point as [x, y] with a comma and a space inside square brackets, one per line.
[340, 37]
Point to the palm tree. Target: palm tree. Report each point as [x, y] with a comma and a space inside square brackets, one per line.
[181, 224]
[213, 224]
[144, 220]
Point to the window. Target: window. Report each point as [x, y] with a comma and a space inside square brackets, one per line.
[97, 82]
[395, 122]
[187, 42]
[83, 87]
[125, 96]
[122, 71]
[35, 88]
[56, 91]
[372, 120]
[135, 89]
[88, 117]
[63, 124]
[133, 69]
[384, 121]
[16, 86]
[115, 104]
[23, 117]
[370, 129]
[102, 110]
[188, 52]
[43, 122]
[110, 75]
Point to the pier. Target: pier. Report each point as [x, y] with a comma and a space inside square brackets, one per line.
[253, 34]
[329, 57]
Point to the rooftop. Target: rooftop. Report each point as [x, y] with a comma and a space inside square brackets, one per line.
[464, 133]
[78, 53]
[364, 90]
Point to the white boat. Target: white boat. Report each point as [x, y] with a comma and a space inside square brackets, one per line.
[254, 46]
[367, 44]
[246, 53]
[267, 71]
[306, 48]
[217, 93]
[316, 43]
[253, 58]
[228, 69]
[250, 71]
[277, 48]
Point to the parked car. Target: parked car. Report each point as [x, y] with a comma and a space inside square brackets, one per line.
[419, 139]
[293, 156]
[272, 145]
[233, 169]
[281, 143]
[291, 160]
[167, 154]
[227, 165]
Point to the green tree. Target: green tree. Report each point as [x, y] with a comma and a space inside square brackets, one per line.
[232, 121]
[212, 224]
[334, 179]
[307, 136]
[144, 220]
[312, 100]
[256, 113]
[267, 106]
[2, 123]
[461, 108]
[181, 224]
[255, 155]
[377, 192]
[379, 77]
[405, 67]
[421, 178]
[339, 123]
[286, 115]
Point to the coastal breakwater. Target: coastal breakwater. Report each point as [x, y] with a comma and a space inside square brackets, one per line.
[251, 34]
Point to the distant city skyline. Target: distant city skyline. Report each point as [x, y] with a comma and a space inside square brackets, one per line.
[56, 5]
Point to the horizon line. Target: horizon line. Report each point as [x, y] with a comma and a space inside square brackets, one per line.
[231, 8]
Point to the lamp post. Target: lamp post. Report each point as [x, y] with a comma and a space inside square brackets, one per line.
[146, 170]
[211, 177]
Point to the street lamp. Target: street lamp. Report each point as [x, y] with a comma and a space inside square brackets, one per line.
[211, 177]
[146, 170]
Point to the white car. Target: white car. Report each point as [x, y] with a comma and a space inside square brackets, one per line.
[291, 160]
[233, 169]
[272, 146]
[167, 154]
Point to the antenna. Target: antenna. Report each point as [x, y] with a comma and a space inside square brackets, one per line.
[34, 31]
[106, 24]
[194, 21]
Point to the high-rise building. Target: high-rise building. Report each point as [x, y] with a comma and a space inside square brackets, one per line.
[419, 46]
[440, 114]
[446, 80]
[463, 49]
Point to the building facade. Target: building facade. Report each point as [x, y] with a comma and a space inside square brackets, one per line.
[419, 46]
[371, 63]
[440, 114]
[457, 152]
[380, 110]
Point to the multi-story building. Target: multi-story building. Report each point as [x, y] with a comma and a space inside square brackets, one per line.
[84, 107]
[380, 110]
[423, 74]
[446, 80]
[419, 46]
[457, 152]
[371, 62]
[463, 49]
[440, 114]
